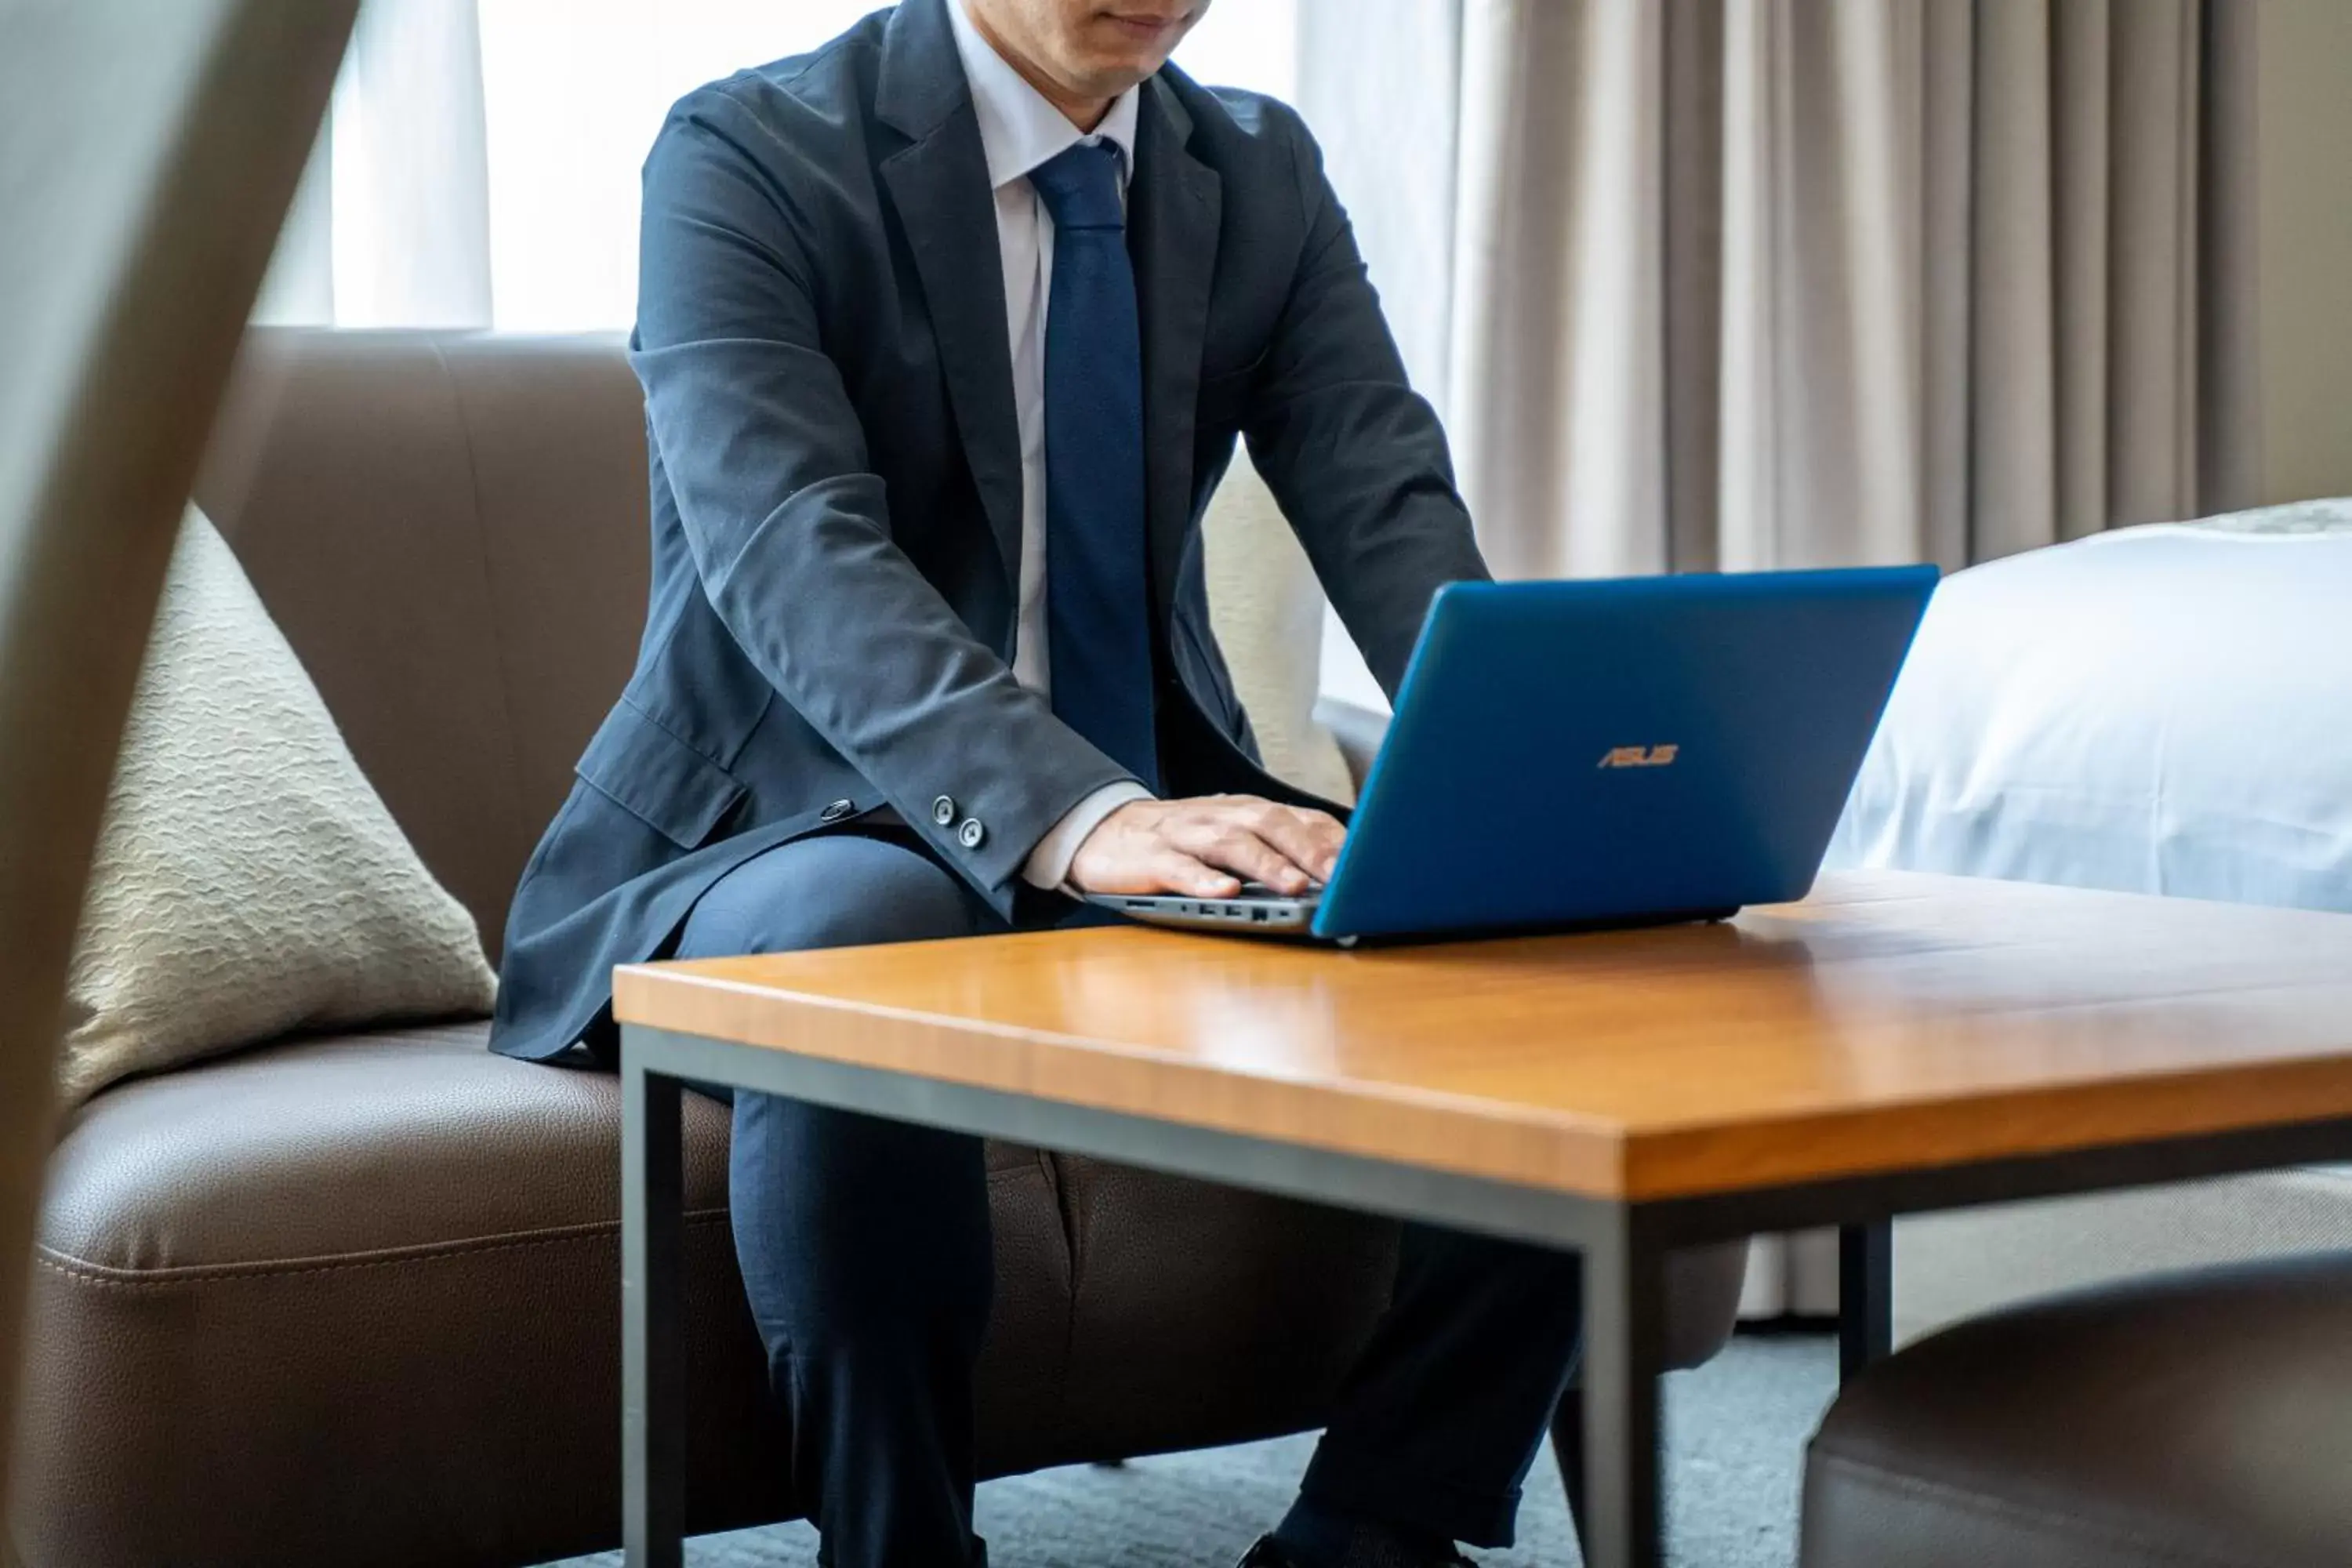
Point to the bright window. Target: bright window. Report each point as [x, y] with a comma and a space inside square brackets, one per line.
[575, 90]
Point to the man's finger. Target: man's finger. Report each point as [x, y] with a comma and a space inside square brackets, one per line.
[1237, 850]
[1181, 873]
[1309, 839]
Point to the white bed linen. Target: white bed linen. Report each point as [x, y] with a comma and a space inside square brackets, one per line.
[2161, 710]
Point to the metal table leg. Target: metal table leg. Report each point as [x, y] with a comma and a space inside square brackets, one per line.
[1625, 1346]
[1866, 1295]
[653, 1355]
[1567, 1449]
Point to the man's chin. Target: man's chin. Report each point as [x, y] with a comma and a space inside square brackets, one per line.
[1109, 79]
[1116, 55]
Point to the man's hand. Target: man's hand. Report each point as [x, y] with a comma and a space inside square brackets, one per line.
[1207, 848]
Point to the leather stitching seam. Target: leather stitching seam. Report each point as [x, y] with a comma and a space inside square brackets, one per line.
[88, 1272]
[1963, 1498]
[1066, 1204]
[490, 583]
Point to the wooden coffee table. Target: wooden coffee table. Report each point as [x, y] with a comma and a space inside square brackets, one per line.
[1896, 1043]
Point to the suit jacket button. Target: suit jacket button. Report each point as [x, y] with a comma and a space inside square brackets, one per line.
[943, 810]
[837, 811]
[972, 835]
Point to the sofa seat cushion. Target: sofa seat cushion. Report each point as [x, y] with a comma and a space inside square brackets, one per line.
[383, 1271]
[2200, 1420]
[340, 1151]
[356, 1301]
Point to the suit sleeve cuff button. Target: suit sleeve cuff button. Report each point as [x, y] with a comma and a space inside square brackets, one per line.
[972, 835]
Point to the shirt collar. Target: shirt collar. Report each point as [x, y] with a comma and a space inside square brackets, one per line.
[1019, 130]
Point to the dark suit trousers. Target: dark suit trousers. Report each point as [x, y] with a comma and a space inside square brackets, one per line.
[867, 1256]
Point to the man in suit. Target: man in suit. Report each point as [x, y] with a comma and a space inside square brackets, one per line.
[947, 332]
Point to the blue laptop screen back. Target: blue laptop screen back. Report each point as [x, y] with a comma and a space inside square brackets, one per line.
[1608, 750]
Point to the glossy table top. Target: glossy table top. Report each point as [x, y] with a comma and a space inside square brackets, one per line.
[1890, 1022]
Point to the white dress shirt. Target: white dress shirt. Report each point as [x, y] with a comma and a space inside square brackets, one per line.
[1020, 130]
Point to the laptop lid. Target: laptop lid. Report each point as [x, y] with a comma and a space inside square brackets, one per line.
[1596, 751]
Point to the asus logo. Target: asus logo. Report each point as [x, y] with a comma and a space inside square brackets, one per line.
[1640, 756]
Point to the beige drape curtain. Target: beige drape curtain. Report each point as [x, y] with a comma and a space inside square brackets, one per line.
[1756, 283]
[1741, 284]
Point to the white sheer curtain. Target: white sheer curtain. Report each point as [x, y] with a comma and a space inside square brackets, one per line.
[577, 88]
[480, 166]
[1385, 102]
[576, 91]
[392, 225]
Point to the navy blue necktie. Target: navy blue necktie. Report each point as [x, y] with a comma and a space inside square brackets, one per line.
[1097, 598]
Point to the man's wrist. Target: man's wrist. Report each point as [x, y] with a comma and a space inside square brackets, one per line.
[1048, 864]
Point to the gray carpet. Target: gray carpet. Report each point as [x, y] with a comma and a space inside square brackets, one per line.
[1737, 1429]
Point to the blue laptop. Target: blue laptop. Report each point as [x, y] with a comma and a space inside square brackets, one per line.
[1604, 753]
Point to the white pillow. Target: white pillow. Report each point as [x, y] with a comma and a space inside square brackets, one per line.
[2159, 709]
[248, 881]
[1267, 611]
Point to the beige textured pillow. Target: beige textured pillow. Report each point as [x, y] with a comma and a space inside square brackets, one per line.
[248, 881]
[1268, 611]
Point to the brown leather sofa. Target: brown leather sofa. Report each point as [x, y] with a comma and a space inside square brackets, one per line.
[355, 1300]
[2194, 1420]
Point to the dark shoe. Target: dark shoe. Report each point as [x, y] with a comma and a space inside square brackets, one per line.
[1269, 1553]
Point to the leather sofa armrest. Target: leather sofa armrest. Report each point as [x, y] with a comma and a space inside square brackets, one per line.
[1358, 731]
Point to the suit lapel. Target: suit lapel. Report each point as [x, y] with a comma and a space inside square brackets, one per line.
[1174, 206]
[941, 188]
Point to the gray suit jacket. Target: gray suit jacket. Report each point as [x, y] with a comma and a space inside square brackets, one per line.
[836, 487]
